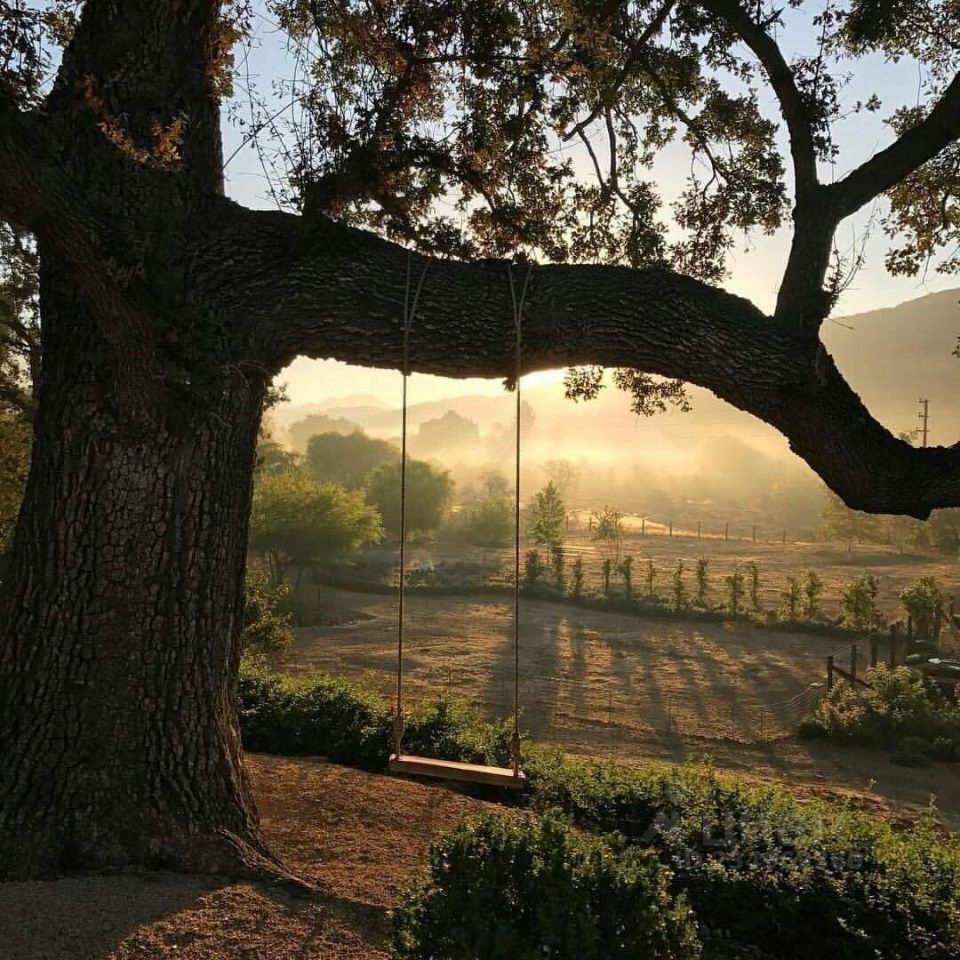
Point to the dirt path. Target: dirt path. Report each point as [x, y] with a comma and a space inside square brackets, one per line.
[607, 684]
[359, 835]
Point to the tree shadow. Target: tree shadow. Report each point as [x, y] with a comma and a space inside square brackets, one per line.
[134, 914]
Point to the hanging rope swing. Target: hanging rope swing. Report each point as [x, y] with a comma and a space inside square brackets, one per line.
[428, 766]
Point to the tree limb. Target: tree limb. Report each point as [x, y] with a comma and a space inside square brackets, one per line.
[909, 152]
[295, 287]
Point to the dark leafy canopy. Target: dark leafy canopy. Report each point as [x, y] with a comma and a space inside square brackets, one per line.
[453, 124]
[347, 459]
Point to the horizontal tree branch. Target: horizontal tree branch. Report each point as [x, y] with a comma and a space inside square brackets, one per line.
[292, 287]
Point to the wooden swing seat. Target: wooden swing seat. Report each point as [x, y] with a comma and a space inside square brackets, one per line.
[453, 770]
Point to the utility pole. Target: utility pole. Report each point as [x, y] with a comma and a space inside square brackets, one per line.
[924, 417]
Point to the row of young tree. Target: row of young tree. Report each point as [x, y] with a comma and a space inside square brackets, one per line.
[742, 591]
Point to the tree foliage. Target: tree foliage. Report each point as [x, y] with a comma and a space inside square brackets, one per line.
[429, 495]
[446, 434]
[266, 635]
[858, 604]
[347, 458]
[302, 431]
[297, 521]
[546, 520]
[19, 364]
[488, 522]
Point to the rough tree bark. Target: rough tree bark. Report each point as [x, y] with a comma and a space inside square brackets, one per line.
[166, 308]
[118, 624]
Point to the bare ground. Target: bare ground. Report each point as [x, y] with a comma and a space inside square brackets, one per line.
[608, 684]
[360, 836]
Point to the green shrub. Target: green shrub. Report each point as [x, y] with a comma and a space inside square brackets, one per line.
[625, 569]
[858, 604]
[734, 584]
[576, 579]
[766, 872]
[899, 703]
[759, 869]
[530, 888]
[333, 717]
[922, 599]
[316, 716]
[679, 588]
[558, 562]
[702, 578]
[790, 600]
[812, 589]
[533, 569]
[266, 630]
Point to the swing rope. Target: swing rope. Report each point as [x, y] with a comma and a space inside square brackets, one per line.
[518, 308]
[408, 315]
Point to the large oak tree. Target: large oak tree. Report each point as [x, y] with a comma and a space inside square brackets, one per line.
[166, 308]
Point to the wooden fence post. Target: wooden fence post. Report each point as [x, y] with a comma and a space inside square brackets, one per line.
[726, 530]
[893, 645]
[873, 651]
[754, 533]
[853, 664]
[698, 529]
[671, 528]
[829, 673]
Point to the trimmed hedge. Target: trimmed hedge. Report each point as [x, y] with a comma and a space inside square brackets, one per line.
[530, 888]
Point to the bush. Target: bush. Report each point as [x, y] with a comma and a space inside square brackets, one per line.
[488, 523]
[576, 579]
[759, 869]
[348, 723]
[858, 604]
[266, 630]
[898, 704]
[790, 600]
[767, 873]
[533, 569]
[922, 599]
[702, 577]
[529, 888]
[734, 591]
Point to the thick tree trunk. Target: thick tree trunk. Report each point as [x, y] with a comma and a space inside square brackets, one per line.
[119, 623]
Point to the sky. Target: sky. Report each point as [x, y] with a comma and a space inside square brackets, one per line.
[755, 264]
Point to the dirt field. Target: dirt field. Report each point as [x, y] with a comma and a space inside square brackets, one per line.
[598, 683]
